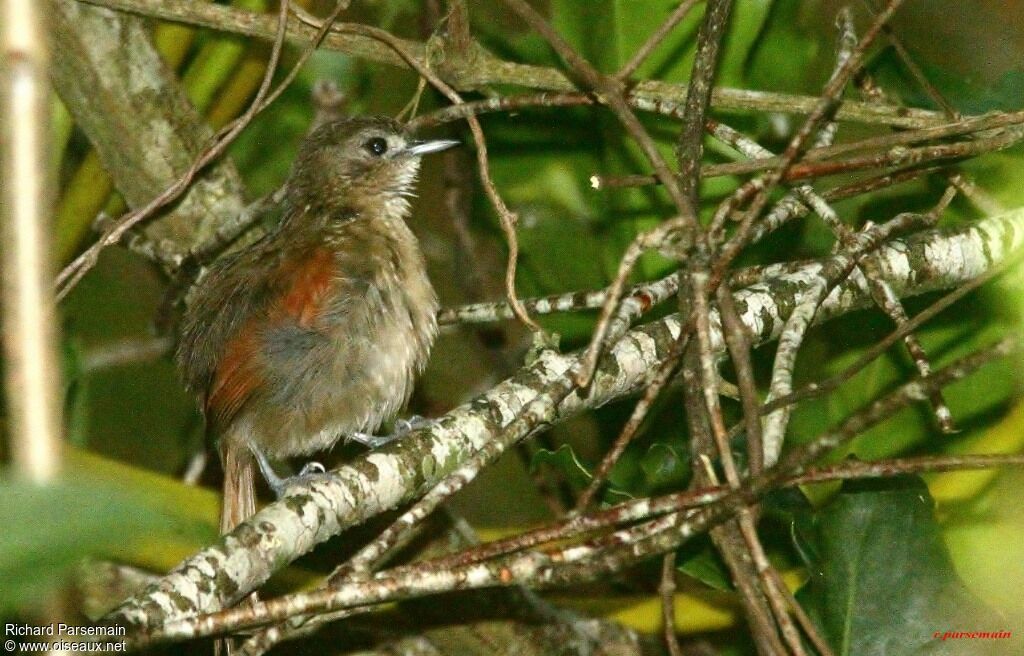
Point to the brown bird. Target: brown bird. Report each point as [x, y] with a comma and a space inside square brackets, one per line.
[317, 331]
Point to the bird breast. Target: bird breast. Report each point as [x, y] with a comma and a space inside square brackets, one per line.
[364, 319]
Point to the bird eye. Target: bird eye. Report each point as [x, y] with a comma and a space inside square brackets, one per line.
[377, 146]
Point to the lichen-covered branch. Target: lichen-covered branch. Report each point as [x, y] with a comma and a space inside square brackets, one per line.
[580, 562]
[225, 572]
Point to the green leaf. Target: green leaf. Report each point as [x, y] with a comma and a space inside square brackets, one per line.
[883, 582]
[76, 392]
[212, 66]
[701, 561]
[791, 509]
[793, 55]
[968, 94]
[50, 528]
[608, 33]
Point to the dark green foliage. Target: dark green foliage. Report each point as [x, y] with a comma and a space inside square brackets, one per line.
[881, 580]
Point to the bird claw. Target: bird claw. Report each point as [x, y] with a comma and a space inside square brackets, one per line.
[311, 471]
[402, 428]
[415, 422]
[372, 441]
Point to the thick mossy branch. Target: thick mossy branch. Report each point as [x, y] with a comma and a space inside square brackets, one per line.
[146, 132]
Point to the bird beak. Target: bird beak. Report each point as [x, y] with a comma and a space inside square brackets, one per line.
[424, 147]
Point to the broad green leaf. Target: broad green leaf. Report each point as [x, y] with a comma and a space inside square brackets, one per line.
[792, 54]
[791, 509]
[883, 582]
[542, 169]
[76, 392]
[216, 60]
[657, 459]
[984, 537]
[609, 32]
[49, 528]
[969, 95]
[627, 474]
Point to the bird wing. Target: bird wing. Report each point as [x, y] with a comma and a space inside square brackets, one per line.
[294, 295]
[236, 376]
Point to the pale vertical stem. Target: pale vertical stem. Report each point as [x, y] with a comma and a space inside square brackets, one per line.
[28, 302]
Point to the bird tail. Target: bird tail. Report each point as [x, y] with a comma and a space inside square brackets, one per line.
[239, 502]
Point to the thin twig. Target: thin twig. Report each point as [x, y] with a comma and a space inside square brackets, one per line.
[881, 293]
[836, 269]
[708, 374]
[647, 508]
[661, 378]
[739, 351]
[915, 70]
[978, 197]
[882, 143]
[636, 300]
[771, 583]
[655, 39]
[667, 590]
[806, 623]
[734, 537]
[614, 317]
[826, 106]
[814, 164]
[787, 211]
[690, 144]
[611, 91]
[279, 555]
[815, 389]
[376, 552]
[563, 565]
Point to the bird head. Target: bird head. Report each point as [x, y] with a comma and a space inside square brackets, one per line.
[359, 164]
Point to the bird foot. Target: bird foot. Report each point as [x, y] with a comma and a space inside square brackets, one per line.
[310, 472]
[402, 428]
